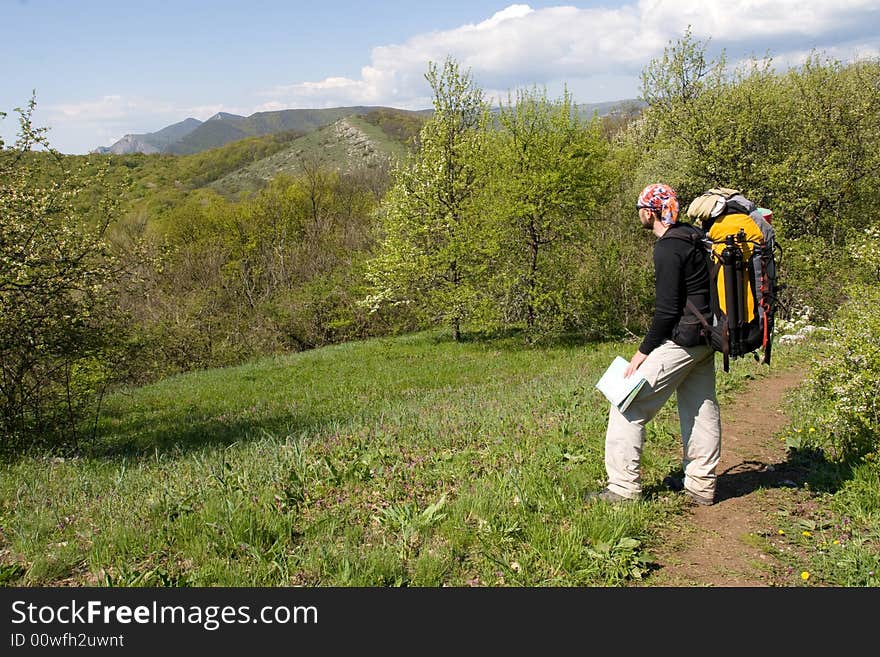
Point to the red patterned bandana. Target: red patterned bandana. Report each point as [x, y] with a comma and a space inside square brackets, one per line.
[662, 199]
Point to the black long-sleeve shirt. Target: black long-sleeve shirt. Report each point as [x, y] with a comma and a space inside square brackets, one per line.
[681, 271]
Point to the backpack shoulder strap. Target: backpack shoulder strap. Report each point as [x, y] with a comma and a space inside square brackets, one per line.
[693, 234]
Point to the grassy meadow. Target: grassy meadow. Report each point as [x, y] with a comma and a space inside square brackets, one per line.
[412, 461]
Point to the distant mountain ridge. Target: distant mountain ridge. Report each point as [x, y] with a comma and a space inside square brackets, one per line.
[193, 136]
[152, 142]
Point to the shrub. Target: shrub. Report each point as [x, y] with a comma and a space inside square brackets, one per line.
[56, 273]
[845, 383]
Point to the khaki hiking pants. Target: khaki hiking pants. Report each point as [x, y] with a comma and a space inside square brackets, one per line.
[689, 372]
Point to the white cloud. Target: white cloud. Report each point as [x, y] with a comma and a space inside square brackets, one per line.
[597, 52]
[120, 108]
[740, 20]
[108, 107]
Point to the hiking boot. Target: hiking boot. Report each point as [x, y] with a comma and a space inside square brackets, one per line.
[606, 495]
[693, 498]
[677, 484]
[674, 483]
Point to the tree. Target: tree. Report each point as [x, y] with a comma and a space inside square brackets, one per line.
[682, 91]
[831, 165]
[56, 274]
[549, 174]
[431, 254]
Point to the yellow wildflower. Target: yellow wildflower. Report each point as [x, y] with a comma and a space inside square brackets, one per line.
[805, 575]
[806, 533]
[812, 429]
[780, 532]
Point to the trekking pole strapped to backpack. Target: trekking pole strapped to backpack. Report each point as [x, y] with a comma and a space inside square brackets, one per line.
[731, 265]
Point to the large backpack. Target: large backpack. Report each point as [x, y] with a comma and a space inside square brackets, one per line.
[741, 245]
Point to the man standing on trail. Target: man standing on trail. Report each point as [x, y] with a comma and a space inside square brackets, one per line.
[672, 358]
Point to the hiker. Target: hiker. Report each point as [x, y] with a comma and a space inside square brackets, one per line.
[672, 357]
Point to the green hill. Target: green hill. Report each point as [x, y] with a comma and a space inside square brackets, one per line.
[304, 120]
[347, 144]
[211, 134]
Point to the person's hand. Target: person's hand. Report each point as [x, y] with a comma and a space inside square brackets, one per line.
[637, 359]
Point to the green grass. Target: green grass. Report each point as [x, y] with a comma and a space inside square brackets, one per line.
[407, 461]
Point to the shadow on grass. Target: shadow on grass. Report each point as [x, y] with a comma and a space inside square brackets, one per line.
[144, 440]
[802, 466]
[519, 339]
[170, 434]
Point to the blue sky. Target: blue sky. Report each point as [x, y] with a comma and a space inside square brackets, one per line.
[102, 69]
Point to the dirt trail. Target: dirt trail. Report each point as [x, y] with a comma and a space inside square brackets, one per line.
[716, 546]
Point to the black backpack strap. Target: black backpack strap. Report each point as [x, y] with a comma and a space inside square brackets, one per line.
[694, 236]
[690, 306]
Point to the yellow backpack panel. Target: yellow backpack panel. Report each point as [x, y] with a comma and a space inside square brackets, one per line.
[731, 224]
